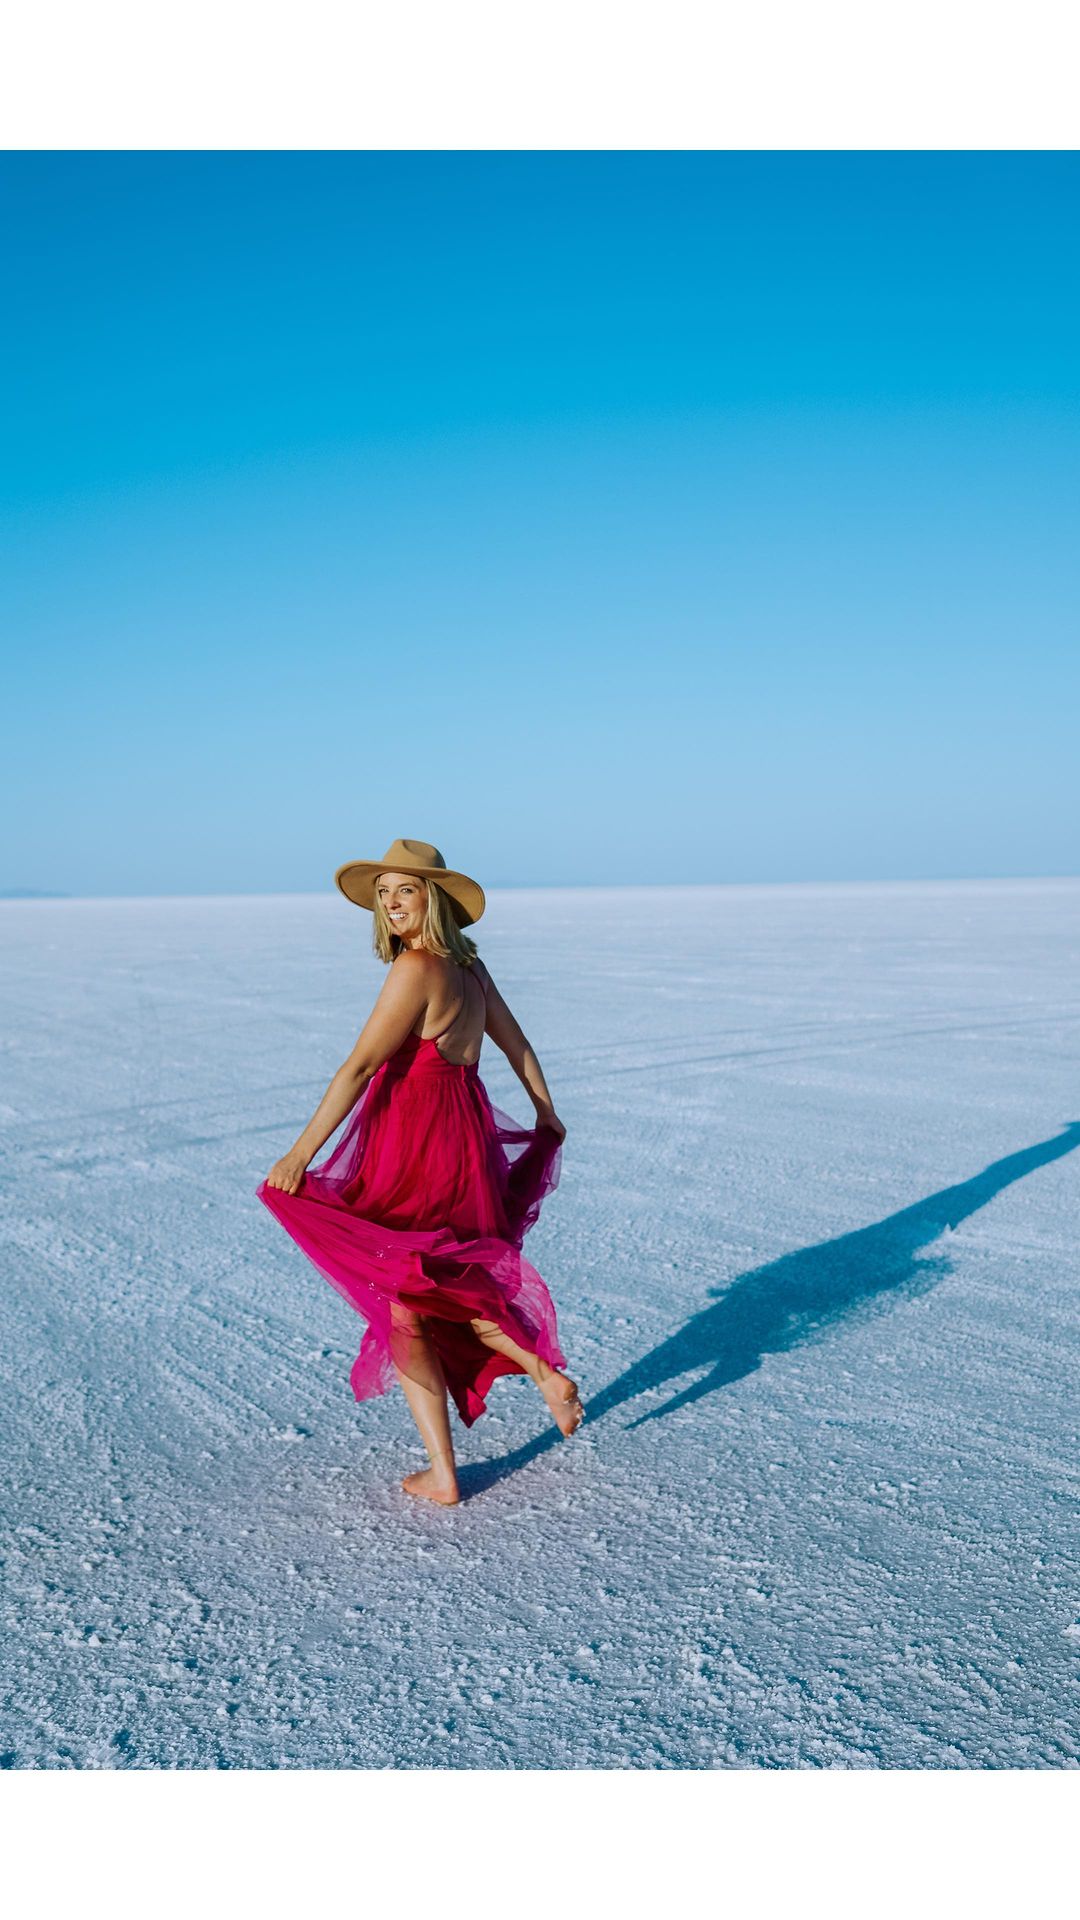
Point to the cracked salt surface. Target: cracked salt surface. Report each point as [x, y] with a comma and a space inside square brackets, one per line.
[813, 1255]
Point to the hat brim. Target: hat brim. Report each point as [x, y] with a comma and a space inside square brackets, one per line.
[356, 880]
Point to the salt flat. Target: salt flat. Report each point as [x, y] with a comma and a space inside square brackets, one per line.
[814, 1255]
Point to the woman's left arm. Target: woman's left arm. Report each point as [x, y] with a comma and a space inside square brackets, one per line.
[395, 1013]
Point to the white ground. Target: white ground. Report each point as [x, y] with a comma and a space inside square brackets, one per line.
[844, 1536]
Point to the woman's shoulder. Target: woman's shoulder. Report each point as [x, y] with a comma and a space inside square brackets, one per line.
[421, 963]
[417, 961]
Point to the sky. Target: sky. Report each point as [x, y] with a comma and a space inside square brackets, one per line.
[602, 518]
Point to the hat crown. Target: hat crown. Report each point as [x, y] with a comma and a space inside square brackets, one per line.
[407, 853]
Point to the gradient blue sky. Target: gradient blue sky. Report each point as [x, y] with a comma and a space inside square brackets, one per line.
[601, 517]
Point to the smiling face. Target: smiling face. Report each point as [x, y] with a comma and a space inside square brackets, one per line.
[404, 899]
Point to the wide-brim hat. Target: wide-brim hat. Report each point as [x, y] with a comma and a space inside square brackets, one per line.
[356, 879]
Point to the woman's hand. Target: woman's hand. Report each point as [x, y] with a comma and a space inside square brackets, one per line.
[547, 1117]
[288, 1172]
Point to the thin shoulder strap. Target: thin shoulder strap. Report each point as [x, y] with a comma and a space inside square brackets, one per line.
[475, 972]
[462, 1007]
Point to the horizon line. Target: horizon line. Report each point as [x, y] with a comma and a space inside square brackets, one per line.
[25, 896]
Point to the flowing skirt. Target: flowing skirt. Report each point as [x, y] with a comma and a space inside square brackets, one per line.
[421, 1209]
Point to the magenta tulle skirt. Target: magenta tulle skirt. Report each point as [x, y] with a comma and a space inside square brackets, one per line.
[421, 1209]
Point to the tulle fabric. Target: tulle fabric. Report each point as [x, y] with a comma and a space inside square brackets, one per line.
[421, 1208]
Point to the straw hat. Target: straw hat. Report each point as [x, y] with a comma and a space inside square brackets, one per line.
[356, 879]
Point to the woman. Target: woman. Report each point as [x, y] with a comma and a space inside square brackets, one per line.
[418, 1214]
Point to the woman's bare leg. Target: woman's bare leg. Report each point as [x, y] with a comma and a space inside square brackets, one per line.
[560, 1392]
[424, 1387]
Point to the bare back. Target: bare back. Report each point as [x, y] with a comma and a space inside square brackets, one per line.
[457, 1021]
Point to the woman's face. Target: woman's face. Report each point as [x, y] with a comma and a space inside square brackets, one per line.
[405, 900]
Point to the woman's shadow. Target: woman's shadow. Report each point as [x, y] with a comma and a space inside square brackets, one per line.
[797, 1299]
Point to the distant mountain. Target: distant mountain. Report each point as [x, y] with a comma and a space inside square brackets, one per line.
[30, 893]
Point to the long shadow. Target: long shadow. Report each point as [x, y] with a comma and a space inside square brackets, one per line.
[796, 1299]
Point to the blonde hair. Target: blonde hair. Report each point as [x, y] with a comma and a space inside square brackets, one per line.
[439, 934]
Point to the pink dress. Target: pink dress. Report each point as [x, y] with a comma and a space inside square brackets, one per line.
[422, 1207]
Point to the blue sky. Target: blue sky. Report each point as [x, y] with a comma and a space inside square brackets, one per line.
[601, 517]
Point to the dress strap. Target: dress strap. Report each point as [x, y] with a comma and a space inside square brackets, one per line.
[458, 1011]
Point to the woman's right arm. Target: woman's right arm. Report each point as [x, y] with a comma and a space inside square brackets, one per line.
[507, 1035]
[403, 998]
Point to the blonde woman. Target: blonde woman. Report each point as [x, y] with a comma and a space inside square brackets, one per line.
[418, 1214]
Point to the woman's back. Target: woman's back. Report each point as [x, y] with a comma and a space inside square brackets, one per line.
[457, 1026]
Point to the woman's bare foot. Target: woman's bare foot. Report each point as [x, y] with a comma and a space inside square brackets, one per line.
[561, 1395]
[433, 1483]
